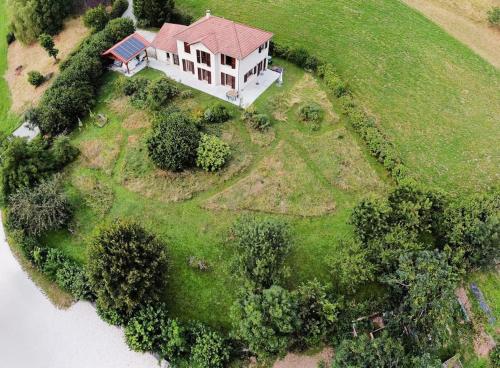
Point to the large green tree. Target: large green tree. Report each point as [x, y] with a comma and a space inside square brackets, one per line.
[153, 13]
[127, 267]
[30, 18]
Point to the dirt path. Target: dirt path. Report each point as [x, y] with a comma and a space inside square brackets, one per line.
[481, 38]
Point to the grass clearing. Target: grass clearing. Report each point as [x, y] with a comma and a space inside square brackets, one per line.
[434, 97]
[172, 205]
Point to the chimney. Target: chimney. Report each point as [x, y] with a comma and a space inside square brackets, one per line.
[208, 13]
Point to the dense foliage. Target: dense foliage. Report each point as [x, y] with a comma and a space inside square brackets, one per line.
[153, 13]
[217, 113]
[35, 78]
[47, 42]
[127, 266]
[212, 153]
[119, 7]
[144, 330]
[40, 209]
[96, 18]
[31, 18]
[160, 92]
[262, 247]
[173, 142]
[209, 349]
[494, 16]
[266, 320]
[256, 120]
[26, 163]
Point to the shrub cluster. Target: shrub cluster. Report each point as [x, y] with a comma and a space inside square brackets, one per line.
[312, 114]
[217, 113]
[119, 7]
[212, 153]
[35, 78]
[96, 18]
[333, 81]
[153, 13]
[256, 120]
[160, 92]
[494, 16]
[72, 94]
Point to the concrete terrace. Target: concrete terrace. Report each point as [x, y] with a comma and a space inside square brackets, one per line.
[247, 95]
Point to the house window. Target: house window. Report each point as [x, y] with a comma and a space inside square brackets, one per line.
[187, 66]
[205, 75]
[227, 80]
[248, 74]
[176, 59]
[228, 60]
[203, 57]
[263, 47]
[187, 48]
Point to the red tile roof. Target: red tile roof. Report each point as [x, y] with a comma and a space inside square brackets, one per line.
[165, 40]
[219, 35]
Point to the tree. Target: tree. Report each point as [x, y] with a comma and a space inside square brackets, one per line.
[96, 18]
[26, 163]
[35, 78]
[47, 42]
[41, 209]
[316, 312]
[153, 13]
[424, 292]
[382, 352]
[212, 153]
[262, 247]
[30, 18]
[265, 320]
[127, 266]
[173, 142]
[143, 331]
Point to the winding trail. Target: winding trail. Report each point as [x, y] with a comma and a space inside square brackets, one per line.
[33, 333]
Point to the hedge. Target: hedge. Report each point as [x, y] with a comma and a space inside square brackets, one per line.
[72, 94]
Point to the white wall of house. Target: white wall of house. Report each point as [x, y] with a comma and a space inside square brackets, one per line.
[250, 62]
[242, 66]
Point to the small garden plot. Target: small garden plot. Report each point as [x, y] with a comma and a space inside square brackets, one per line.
[341, 161]
[282, 183]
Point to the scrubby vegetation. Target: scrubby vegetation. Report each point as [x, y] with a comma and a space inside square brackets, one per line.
[35, 78]
[212, 153]
[153, 13]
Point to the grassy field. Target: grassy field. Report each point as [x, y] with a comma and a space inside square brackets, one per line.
[438, 101]
[8, 121]
[113, 177]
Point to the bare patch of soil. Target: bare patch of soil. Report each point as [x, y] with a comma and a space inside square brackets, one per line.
[466, 21]
[34, 57]
[292, 360]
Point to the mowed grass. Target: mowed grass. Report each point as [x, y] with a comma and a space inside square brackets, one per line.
[436, 99]
[114, 178]
[8, 121]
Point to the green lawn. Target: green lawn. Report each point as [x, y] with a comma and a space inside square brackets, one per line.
[438, 101]
[114, 171]
[8, 122]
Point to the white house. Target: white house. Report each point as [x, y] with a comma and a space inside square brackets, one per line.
[215, 50]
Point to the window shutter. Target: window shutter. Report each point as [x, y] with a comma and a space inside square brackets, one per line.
[208, 59]
[233, 63]
[209, 78]
[222, 59]
[198, 58]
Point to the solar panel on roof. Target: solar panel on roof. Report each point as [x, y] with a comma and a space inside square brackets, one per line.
[129, 48]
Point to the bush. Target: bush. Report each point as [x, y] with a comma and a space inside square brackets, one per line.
[256, 120]
[174, 342]
[186, 94]
[35, 78]
[495, 356]
[262, 247]
[494, 16]
[160, 92]
[127, 266]
[333, 81]
[72, 277]
[119, 7]
[216, 113]
[96, 18]
[265, 321]
[173, 142]
[112, 316]
[179, 16]
[212, 153]
[11, 37]
[41, 209]
[51, 261]
[63, 151]
[311, 113]
[316, 312]
[143, 330]
[130, 86]
[209, 349]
